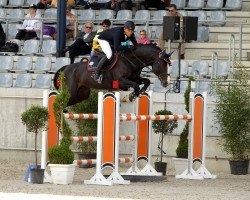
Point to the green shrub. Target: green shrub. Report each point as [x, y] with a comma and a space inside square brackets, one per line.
[61, 154]
[87, 127]
[164, 127]
[232, 113]
[182, 148]
[35, 119]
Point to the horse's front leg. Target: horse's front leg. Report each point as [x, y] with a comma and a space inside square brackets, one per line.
[146, 84]
[126, 84]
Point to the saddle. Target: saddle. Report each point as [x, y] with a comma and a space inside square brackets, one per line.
[94, 60]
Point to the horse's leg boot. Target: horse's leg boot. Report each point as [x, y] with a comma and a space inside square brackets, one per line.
[99, 67]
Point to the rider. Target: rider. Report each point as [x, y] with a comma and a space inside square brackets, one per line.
[114, 37]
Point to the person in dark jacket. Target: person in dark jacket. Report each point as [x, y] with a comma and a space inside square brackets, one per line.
[2, 36]
[113, 38]
[83, 43]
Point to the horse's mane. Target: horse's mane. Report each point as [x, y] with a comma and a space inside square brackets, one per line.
[154, 46]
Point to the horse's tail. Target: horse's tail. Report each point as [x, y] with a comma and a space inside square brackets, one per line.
[56, 77]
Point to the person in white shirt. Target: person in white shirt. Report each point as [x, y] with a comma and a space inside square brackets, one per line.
[31, 25]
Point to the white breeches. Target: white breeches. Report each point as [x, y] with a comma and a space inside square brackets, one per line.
[105, 48]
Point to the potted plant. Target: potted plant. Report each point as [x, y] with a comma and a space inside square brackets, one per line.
[232, 114]
[61, 162]
[181, 161]
[87, 127]
[61, 157]
[35, 119]
[164, 128]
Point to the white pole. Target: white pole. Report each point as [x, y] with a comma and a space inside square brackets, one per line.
[150, 94]
[99, 133]
[136, 124]
[204, 133]
[191, 134]
[44, 151]
[117, 128]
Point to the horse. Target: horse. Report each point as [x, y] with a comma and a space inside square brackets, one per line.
[126, 71]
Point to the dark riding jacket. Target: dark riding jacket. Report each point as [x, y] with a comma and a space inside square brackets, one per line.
[115, 36]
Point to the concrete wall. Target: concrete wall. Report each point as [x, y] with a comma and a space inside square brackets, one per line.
[17, 144]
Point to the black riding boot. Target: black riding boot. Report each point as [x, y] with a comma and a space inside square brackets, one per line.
[99, 67]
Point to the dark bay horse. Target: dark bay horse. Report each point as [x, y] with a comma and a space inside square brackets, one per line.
[127, 71]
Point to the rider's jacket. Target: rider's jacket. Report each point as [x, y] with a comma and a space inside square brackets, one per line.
[115, 36]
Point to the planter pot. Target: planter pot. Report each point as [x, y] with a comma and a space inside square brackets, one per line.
[180, 165]
[36, 175]
[62, 174]
[161, 167]
[239, 167]
[86, 156]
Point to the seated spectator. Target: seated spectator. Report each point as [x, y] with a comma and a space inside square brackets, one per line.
[83, 43]
[71, 28]
[2, 36]
[69, 3]
[98, 4]
[94, 4]
[43, 4]
[105, 25]
[49, 30]
[70, 23]
[30, 25]
[143, 38]
[158, 4]
[119, 5]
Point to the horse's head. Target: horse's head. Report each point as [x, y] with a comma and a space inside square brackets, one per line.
[160, 67]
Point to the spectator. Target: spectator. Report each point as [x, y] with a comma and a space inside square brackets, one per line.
[143, 38]
[94, 4]
[30, 25]
[2, 36]
[83, 43]
[119, 5]
[98, 4]
[69, 3]
[158, 4]
[70, 23]
[172, 11]
[43, 4]
[105, 25]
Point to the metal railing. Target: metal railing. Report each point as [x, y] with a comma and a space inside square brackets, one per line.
[231, 49]
[214, 64]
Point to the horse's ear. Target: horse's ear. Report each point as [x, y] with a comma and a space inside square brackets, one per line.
[168, 55]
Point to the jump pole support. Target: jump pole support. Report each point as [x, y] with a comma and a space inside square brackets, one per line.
[202, 172]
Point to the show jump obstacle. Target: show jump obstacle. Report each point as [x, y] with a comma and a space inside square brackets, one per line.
[108, 136]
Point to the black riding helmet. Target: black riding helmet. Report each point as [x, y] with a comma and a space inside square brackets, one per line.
[129, 25]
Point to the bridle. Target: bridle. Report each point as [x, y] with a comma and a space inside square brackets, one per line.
[161, 76]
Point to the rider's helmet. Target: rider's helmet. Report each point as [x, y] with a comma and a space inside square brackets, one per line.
[129, 25]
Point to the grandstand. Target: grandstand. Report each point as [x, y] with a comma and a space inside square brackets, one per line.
[218, 28]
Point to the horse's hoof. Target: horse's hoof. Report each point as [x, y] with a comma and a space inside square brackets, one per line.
[142, 92]
[132, 97]
[65, 111]
[125, 99]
